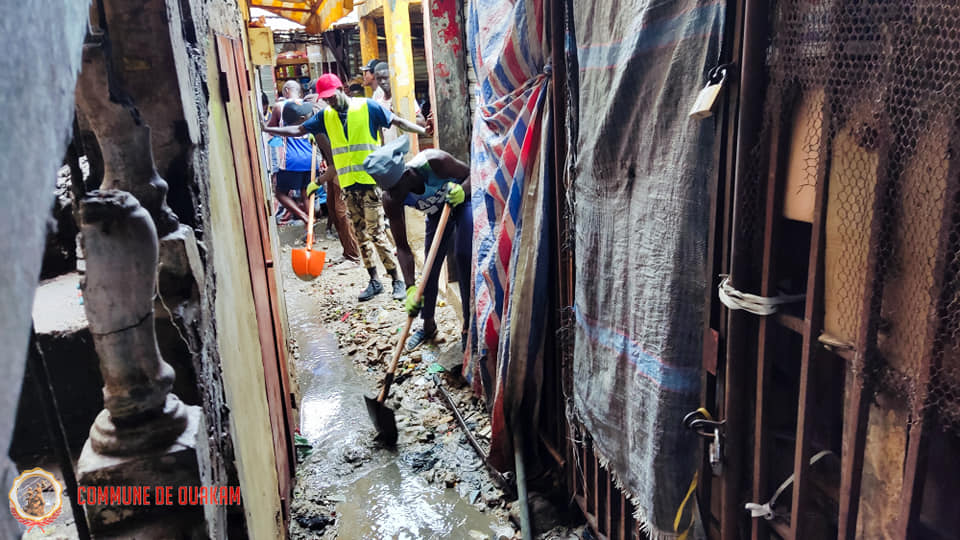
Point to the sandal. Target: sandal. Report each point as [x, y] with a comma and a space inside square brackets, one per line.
[418, 338]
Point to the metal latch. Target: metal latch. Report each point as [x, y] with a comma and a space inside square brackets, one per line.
[704, 425]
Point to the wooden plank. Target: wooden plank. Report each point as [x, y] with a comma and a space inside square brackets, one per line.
[603, 499]
[780, 528]
[590, 518]
[255, 259]
[813, 323]
[271, 278]
[858, 407]
[582, 473]
[554, 453]
[616, 499]
[790, 322]
[931, 351]
[591, 481]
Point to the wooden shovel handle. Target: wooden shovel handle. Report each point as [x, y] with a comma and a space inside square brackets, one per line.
[428, 266]
[313, 178]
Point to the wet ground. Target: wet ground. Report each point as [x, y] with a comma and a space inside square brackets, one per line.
[432, 485]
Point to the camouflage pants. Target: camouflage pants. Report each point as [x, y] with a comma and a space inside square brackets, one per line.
[366, 215]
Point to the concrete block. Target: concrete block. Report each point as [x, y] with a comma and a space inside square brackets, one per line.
[174, 466]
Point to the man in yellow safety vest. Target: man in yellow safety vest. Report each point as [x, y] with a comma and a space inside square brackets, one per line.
[346, 131]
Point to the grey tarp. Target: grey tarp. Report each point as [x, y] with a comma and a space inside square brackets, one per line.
[640, 188]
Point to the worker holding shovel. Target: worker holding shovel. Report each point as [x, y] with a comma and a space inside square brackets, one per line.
[430, 180]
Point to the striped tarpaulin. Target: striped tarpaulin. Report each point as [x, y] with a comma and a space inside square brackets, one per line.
[511, 244]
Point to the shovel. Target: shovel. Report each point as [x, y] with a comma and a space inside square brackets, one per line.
[381, 415]
[308, 264]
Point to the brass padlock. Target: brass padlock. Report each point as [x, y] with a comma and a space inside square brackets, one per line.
[707, 98]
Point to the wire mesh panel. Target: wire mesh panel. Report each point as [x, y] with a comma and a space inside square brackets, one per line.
[868, 94]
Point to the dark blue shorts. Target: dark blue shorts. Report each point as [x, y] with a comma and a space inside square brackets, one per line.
[292, 180]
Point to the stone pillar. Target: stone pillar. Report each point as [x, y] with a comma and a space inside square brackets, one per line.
[124, 141]
[447, 65]
[120, 244]
[369, 47]
[145, 435]
[396, 21]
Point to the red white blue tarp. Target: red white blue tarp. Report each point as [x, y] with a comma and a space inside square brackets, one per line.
[510, 201]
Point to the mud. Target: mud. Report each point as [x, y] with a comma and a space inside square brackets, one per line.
[350, 486]
[432, 484]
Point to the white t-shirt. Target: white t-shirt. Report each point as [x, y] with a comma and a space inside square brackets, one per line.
[393, 132]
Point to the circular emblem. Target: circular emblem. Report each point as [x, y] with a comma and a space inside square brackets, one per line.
[36, 498]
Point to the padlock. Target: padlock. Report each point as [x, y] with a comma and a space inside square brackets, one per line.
[707, 98]
[716, 453]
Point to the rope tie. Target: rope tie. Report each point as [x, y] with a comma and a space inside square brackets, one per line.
[765, 510]
[758, 305]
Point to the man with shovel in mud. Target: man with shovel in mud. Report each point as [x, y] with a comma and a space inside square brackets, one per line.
[427, 182]
[346, 132]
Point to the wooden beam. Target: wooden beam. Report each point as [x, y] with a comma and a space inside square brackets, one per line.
[931, 354]
[396, 21]
[446, 51]
[369, 50]
[813, 325]
[768, 325]
[368, 8]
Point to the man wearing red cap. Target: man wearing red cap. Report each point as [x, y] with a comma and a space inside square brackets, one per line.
[346, 132]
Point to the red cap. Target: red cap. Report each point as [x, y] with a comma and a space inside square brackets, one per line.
[327, 85]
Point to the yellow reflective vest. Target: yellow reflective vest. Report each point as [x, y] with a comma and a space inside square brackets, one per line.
[348, 154]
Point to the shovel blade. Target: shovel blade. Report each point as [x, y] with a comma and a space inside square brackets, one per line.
[315, 262]
[307, 264]
[383, 420]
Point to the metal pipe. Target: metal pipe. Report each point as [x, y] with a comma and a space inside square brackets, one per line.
[749, 122]
[499, 479]
[526, 530]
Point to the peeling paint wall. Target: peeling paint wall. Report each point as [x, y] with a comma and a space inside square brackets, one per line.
[447, 57]
[237, 336]
[29, 158]
[230, 372]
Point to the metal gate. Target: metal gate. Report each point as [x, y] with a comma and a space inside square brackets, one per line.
[846, 193]
[839, 181]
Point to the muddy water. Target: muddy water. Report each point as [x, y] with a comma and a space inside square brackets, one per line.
[377, 494]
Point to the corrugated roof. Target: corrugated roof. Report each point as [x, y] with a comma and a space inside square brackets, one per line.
[315, 15]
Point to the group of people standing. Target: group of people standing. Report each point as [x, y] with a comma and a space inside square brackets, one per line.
[368, 179]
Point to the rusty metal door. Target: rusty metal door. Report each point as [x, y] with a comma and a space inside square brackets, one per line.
[233, 75]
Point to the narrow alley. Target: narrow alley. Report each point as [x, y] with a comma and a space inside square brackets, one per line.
[433, 484]
[480, 270]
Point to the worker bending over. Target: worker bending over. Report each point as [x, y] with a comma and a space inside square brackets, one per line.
[427, 182]
[347, 131]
